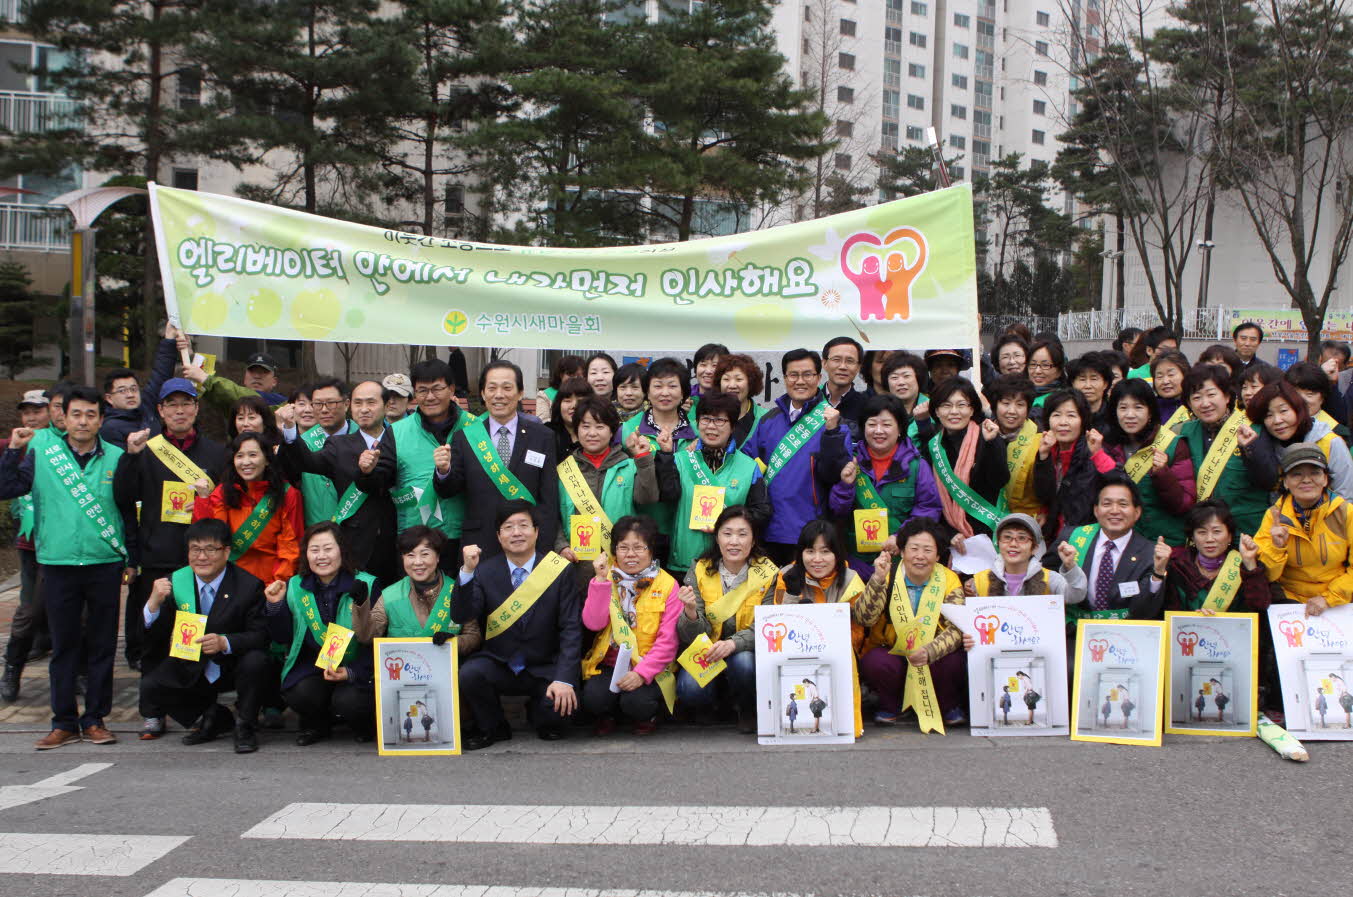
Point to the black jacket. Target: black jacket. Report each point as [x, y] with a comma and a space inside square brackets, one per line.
[118, 423]
[371, 530]
[141, 477]
[1072, 501]
[548, 638]
[236, 613]
[989, 474]
[482, 497]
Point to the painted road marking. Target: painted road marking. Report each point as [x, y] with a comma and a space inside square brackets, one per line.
[703, 825]
[98, 855]
[240, 887]
[52, 786]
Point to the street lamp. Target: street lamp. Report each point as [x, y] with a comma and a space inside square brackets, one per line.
[1116, 256]
[86, 205]
[1205, 247]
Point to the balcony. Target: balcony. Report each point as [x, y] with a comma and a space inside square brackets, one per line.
[22, 110]
[985, 72]
[11, 11]
[985, 41]
[894, 15]
[892, 47]
[982, 131]
[32, 227]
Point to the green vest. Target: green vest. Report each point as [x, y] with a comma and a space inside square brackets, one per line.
[663, 514]
[898, 497]
[617, 492]
[300, 628]
[402, 622]
[413, 452]
[1247, 502]
[319, 492]
[736, 475]
[62, 537]
[1156, 521]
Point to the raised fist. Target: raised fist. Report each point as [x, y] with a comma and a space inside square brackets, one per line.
[1046, 444]
[469, 558]
[1279, 535]
[1068, 555]
[831, 417]
[601, 567]
[1249, 551]
[285, 416]
[441, 457]
[1094, 441]
[990, 430]
[849, 473]
[637, 444]
[19, 438]
[276, 592]
[137, 441]
[366, 461]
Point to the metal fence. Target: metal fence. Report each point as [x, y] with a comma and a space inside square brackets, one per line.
[44, 228]
[13, 11]
[25, 111]
[1199, 323]
[994, 324]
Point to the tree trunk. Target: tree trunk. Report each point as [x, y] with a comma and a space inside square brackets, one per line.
[429, 136]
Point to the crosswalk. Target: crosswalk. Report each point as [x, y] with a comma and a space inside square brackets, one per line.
[241, 887]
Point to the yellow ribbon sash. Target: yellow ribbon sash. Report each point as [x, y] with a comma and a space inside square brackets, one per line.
[622, 634]
[1214, 462]
[525, 596]
[176, 499]
[1139, 465]
[1225, 586]
[587, 503]
[1180, 416]
[759, 576]
[911, 633]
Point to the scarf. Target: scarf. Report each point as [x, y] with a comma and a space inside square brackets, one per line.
[1211, 565]
[714, 456]
[631, 585]
[967, 456]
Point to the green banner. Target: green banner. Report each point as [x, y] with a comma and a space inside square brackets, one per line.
[901, 274]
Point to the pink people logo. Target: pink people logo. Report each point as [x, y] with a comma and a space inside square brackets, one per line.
[774, 634]
[912, 635]
[393, 666]
[178, 501]
[707, 503]
[1187, 642]
[331, 652]
[585, 537]
[187, 632]
[987, 625]
[871, 530]
[1293, 630]
[1098, 648]
[884, 279]
[702, 659]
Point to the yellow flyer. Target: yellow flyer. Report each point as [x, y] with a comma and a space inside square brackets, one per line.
[336, 640]
[584, 536]
[207, 362]
[706, 506]
[695, 660]
[871, 528]
[176, 502]
[188, 628]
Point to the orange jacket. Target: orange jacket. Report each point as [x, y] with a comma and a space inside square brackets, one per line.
[274, 553]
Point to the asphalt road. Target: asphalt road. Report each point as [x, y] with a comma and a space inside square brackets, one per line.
[1196, 816]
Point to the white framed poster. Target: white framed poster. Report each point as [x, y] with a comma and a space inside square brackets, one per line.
[1212, 674]
[805, 674]
[1315, 668]
[1017, 666]
[1117, 690]
[417, 699]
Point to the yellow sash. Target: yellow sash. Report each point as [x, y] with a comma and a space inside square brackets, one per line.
[622, 634]
[176, 499]
[571, 478]
[759, 576]
[1214, 462]
[525, 596]
[180, 464]
[1139, 465]
[912, 632]
[1225, 586]
[1181, 414]
[1019, 459]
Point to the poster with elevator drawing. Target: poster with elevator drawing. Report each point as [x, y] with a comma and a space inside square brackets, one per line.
[1211, 673]
[1117, 689]
[805, 674]
[1017, 665]
[1315, 668]
[417, 702]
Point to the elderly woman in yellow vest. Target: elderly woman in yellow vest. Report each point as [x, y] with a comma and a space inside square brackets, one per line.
[419, 605]
[1018, 570]
[719, 597]
[633, 609]
[327, 672]
[703, 477]
[1305, 543]
[910, 657]
[600, 481]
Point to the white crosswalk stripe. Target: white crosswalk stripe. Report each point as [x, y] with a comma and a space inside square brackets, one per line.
[117, 855]
[239, 887]
[52, 786]
[722, 826]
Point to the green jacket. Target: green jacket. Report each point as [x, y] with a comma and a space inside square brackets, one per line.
[64, 537]
[415, 469]
[1247, 501]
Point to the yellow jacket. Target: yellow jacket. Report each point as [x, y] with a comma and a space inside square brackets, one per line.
[1318, 561]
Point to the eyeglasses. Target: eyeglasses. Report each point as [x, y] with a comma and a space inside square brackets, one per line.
[330, 403]
[516, 527]
[802, 376]
[124, 391]
[631, 550]
[1041, 365]
[424, 391]
[954, 406]
[205, 551]
[715, 422]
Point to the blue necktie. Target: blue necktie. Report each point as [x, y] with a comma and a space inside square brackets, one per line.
[205, 597]
[518, 576]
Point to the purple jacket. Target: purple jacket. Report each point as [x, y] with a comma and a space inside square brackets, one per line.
[841, 501]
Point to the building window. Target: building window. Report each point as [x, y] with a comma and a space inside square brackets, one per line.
[956, 172]
[892, 72]
[185, 179]
[843, 161]
[916, 39]
[1043, 19]
[957, 141]
[846, 61]
[845, 94]
[455, 199]
[958, 111]
[890, 135]
[961, 20]
[892, 103]
[848, 27]
[959, 81]
[961, 51]
[844, 129]
[1040, 107]
[915, 102]
[1041, 79]
[1041, 47]
[1039, 137]
[807, 46]
[919, 9]
[189, 89]
[915, 71]
[808, 14]
[915, 133]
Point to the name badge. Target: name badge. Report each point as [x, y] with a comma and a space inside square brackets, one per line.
[1129, 589]
[535, 459]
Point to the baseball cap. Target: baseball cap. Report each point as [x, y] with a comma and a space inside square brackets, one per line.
[36, 398]
[261, 360]
[1027, 523]
[399, 383]
[932, 354]
[1302, 453]
[177, 384]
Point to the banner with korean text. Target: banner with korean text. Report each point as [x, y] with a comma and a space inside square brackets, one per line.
[897, 275]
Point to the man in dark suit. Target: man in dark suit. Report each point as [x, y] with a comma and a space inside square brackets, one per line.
[471, 464]
[234, 642]
[367, 518]
[1122, 568]
[533, 652]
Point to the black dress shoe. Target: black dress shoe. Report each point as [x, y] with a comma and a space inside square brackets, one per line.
[246, 740]
[479, 742]
[307, 737]
[214, 723]
[549, 733]
[9, 683]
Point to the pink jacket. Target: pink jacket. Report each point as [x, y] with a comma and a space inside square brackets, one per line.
[597, 614]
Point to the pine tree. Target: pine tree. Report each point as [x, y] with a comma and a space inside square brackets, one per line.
[18, 307]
